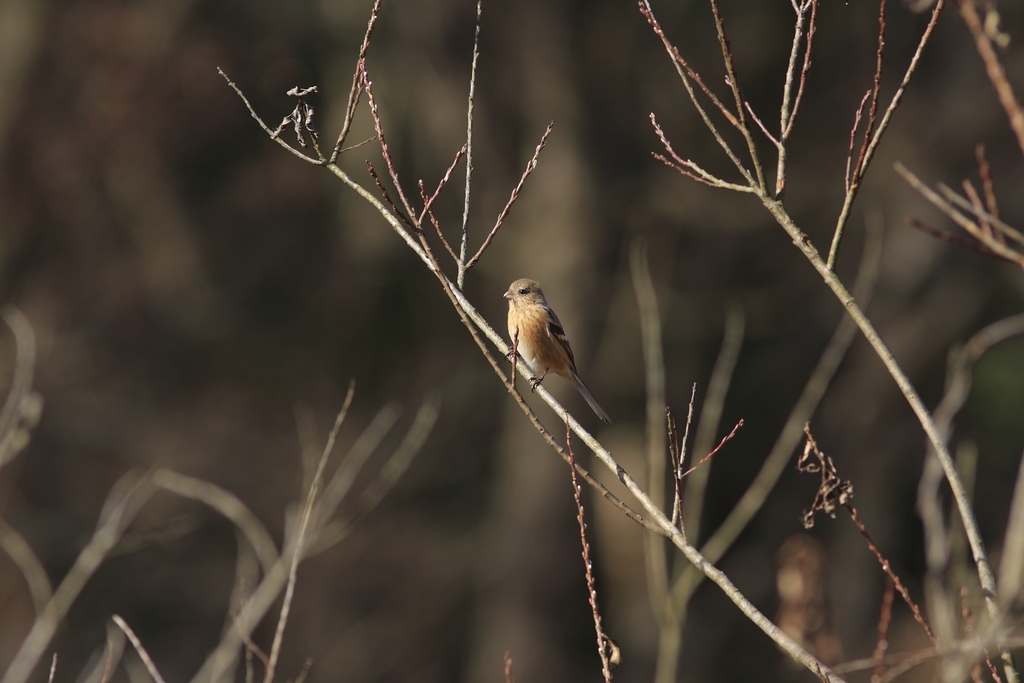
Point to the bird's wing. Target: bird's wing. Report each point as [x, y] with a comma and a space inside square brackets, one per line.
[556, 330]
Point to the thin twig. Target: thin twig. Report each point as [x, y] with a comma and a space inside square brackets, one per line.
[774, 141]
[887, 568]
[957, 240]
[577, 492]
[357, 85]
[876, 88]
[850, 168]
[869, 151]
[267, 129]
[982, 215]
[734, 85]
[812, 28]
[711, 416]
[387, 197]
[686, 74]
[511, 200]
[985, 173]
[977, 208]
[714, 451]
[996, 73]
[882, 642]
[300, 537]
[137, 644]
[677, 451]
[440, 185]
[464, 245]
[385, 150]
[970, 226]
[437, 226]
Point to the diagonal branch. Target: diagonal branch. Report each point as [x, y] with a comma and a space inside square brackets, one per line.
[869, 151]
[511, 200]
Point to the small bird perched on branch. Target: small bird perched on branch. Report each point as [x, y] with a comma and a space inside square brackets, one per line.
[543, 345]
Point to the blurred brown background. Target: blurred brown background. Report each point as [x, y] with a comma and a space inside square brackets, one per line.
[190, 283]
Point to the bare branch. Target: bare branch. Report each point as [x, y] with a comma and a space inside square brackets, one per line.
[996, 73]
[385, 150]
[356, 90]
[137, 644]
[464, 245]
[686, 74]
[427, 204]
[602, 637]
[267, 129]
[511, 200]
[869, 151]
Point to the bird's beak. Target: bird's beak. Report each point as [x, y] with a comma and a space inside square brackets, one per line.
[508, 295]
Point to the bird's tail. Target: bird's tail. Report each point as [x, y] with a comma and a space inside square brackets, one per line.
[589, 396]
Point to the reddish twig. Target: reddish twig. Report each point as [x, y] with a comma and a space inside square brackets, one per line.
[876, 89]
[985, 173]
[1004, 230]
[508, 667]
[437, 226]
[979, 210]
[384, 193]
[677, 57]
[850, 169]
[869, 151]
[357, 83]
[385, 150]
[603, 648]
[834, 491]
[887, 568]
[995, 70]
[681, 165]
[715, 450]
[734, 85]
[440, 185]
[962, 242]
[511, 200]
[882, 644]
[945, 204]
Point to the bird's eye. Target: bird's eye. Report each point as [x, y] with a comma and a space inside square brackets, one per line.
[524, 290]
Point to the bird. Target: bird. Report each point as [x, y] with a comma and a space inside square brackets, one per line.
[542, 343]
